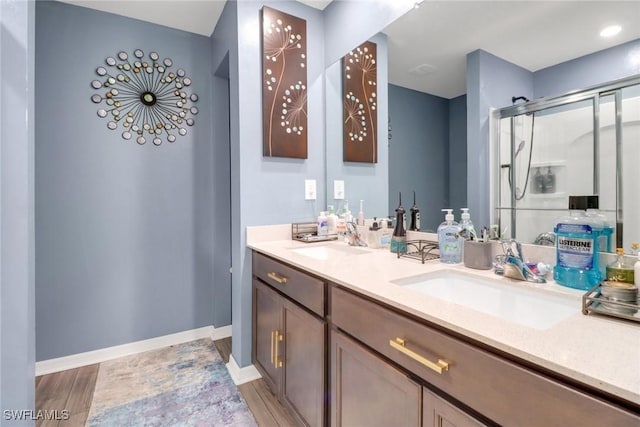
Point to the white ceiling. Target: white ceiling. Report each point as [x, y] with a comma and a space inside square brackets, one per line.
[532, 34]
[437, 36]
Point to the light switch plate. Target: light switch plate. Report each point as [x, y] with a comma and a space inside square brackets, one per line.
[338, 189]
[309, 189]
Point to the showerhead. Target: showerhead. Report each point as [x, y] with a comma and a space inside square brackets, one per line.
[519, 98]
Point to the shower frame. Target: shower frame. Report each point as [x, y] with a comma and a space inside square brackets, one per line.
[594, 93]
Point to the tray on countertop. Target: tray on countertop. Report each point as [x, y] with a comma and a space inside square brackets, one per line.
[594, 302]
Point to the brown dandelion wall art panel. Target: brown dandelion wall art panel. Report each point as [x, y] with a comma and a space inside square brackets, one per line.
[284, 91]
[360, 108]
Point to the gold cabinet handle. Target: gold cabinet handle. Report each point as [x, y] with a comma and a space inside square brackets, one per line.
[273, 340]
[275, 276]
[276, 360]
[401, 345]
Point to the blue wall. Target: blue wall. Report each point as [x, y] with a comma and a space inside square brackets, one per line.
[457, 154]
[124, 233]
[589, 70]
[266, 190]
[491, 82]
[17, 318]
[419, 153]
[363, 181]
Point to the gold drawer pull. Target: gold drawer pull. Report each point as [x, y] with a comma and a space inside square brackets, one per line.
[275, 276]
[273, 340]
[276, 361]
[401, 345]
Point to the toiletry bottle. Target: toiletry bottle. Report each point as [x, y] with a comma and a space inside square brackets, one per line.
[361, 214]
[449, 239]
[549, 182]
[634, 249]
[606, 236]
[373, 240]
[468, 232]
[322, 224]
[415, 215]
[346, 212]
[332, 221]
[619, 270]
[538, 182]
[399, 237]
[577, 248]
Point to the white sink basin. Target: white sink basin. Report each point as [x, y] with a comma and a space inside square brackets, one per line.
[515, 303]
[324, 252]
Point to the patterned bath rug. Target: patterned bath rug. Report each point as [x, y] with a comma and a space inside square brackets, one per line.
[181, 385]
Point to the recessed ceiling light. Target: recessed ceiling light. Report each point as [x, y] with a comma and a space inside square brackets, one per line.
[610, 31]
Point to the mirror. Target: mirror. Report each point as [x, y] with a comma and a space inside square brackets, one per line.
[438, 173]
[362, 181]
[581, 144]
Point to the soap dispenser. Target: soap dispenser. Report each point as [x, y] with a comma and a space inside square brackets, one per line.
[415, 215]
[468, 232]
[549, 182]
[538, 182]
[450, 239]
[399, 237]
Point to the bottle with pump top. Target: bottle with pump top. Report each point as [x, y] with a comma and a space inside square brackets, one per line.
[415, 215]
[450, 239]
[399, 237]
[468, 232]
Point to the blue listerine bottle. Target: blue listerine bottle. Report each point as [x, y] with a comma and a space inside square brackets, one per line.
[577, 249]
[450, 239]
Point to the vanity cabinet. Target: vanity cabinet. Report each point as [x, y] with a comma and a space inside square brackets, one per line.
[366, 391]
[289, 340]
[437, 412]
[493, 388]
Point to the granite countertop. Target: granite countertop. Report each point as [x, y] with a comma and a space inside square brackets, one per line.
[599, 351]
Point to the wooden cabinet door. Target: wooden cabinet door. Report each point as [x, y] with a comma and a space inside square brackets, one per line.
[366, 391]
[268, 321]
[304, 364]
[437, 412]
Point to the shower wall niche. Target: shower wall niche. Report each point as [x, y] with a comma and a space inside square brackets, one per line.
[583, 143]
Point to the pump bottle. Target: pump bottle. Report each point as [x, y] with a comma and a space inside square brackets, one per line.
[450, 239]
[468, 232]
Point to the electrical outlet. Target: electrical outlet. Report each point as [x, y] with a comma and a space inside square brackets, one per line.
[338, 189]
[309, 189]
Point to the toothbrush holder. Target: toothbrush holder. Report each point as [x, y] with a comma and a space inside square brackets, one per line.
[478, 254]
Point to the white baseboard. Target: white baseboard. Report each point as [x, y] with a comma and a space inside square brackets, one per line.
[242, 375]
[96, 356]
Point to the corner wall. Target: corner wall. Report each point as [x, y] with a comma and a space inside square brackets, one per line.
[491, 82]
[124, 232]
[17, 317]
[419, 154]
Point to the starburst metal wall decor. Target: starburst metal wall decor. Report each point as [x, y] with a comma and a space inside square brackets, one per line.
[360, 106]
[145, 97]
[284, 88]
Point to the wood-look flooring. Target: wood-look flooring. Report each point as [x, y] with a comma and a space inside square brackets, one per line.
[72, 390]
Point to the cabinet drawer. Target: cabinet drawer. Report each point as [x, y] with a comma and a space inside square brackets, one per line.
[300, 287]
[499, 389]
